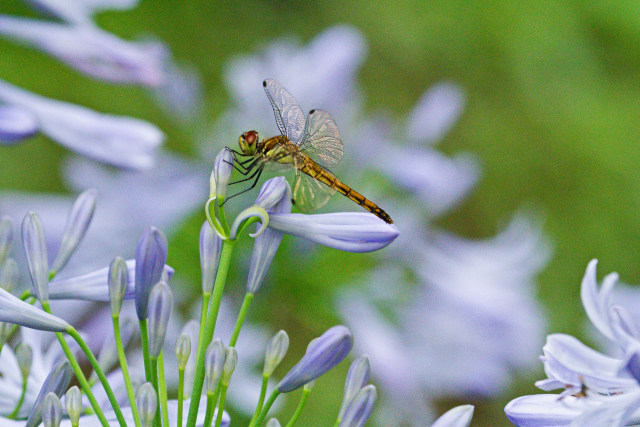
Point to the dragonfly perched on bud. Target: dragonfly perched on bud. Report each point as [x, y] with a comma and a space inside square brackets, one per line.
[310, 146]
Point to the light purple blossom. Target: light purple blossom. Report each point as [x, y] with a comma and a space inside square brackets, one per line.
[460, 416]
[14, 310]
[151, 257]
[597, 389]
[346, 231]
[116, 140]
[91, 50]
[79, 11]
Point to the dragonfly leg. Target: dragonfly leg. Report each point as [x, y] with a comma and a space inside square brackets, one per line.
[258, 173]
[243, 171]
[246, 179]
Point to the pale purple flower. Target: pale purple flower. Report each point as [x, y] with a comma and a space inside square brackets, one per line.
[323, 353]
[35, 248]
[435, 113]
[598, 390]
[116, 140]
[346, 231]
[91, 50]
[360, 407]
[16, 124]
[14, 310]
[222, 170]
[210, 247]
[160, 306]
[57, 383]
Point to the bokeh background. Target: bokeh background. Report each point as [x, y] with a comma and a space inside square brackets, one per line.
[551, 115]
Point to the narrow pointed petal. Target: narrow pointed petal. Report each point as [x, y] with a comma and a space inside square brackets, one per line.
[435, 113]
[94, 286]
[76, 227]
[35, 248]
[14, 310]
[348, 231]
[543, 410]
[222, 170]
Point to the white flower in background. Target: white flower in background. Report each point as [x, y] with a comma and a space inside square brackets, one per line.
[79, 11]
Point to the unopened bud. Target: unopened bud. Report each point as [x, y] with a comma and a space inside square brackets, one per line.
[73, 404]
[360, 408]
[276, 350]
[24, 356]
[183, 350]
[147, 401]
[52, 411]
[160, 305]
[35, 248]
[213, 364]
[118, 279]
[210, 247]
[9, 275]
[357, 377]
[273, 422]
[230, 362]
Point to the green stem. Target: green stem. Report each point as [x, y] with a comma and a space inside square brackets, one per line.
[263, 394]
[223, 395]
[154, 382]
[296, 414]
[14, 414]
[208, 417]
[206, 297]
[125, 371]
[162, 384]
[82, 379]
[263, 414]
[144, 338]
[212, 315]
[180, 395]
[26, 294]
[103, 379]
[223, 217]
[248, 297]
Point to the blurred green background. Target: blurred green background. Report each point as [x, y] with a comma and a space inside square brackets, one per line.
[552, 114]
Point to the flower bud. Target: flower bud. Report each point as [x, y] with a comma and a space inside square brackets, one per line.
[323, 353]
[183, 350]
[5, 331]
[461, 416]
[357, 377]
[273, 422]
[230, 362]
[210, 247]
[151, 256]
[118, 280]
[360, 408]
[214, 362]
[9, 275]
[52, 411]
[6, 237]
[24, 356]
[192, 330]
[56, 382]
[271, 192]
[78, 221]
[160, 305]
[35, 248]
[222, 170]
[73, 404]
[275, 352]
[147, 401]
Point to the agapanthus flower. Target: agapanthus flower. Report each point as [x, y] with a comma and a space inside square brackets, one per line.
[598, 390]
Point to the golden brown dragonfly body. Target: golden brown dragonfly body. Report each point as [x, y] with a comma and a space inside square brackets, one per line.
[310, 146]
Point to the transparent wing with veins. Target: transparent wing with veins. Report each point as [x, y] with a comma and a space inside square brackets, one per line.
[321, 139]
[310, 194]
[288, 114]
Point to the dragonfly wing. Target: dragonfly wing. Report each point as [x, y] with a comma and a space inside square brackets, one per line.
[321, 139]
[289, 115]
[310, 194]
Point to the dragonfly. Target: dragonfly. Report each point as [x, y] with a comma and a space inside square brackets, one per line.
[311, 146]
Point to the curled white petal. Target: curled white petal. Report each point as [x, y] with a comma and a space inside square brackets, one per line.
[253, 211]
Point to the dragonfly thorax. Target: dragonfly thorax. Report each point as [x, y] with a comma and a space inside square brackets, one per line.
[248, 142]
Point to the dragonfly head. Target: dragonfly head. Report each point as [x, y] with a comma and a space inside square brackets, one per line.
[248, 142]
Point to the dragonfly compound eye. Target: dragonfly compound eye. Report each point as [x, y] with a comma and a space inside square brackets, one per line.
[248, 142]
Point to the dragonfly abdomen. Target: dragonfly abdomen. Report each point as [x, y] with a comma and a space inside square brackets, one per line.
[315, 171]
